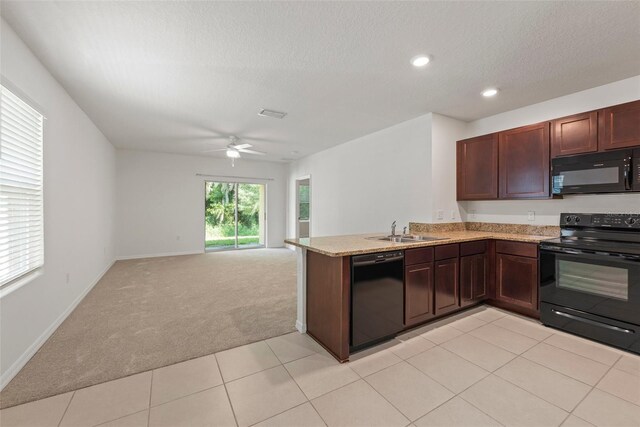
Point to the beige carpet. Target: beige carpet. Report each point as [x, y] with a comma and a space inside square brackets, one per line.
[149, 313]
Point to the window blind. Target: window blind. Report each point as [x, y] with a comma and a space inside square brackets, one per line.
[21, 201]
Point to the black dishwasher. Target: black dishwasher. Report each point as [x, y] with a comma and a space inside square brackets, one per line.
[377, 298]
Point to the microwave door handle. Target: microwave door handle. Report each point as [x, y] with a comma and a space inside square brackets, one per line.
[627, 176]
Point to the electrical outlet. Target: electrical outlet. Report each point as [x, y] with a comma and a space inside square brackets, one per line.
[453, 214]
[440, 214]
[531, 216]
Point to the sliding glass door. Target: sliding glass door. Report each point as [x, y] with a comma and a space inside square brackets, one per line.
[234, 215]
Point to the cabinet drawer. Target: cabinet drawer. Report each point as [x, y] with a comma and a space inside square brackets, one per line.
[418, 256]
[517, 248]
[447, 251]
[472, 248]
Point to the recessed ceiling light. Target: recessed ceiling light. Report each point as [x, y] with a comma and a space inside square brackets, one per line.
[420, 60]
[272, 113]
[487, 93]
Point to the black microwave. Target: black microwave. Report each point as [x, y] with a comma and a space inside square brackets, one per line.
[608, 172]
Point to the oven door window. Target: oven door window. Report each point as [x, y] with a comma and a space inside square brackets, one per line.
[604, 285]
[601, 280]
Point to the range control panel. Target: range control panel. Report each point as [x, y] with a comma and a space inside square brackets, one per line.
[600, 220]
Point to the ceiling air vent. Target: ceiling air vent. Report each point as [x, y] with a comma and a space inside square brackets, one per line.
[271, 113]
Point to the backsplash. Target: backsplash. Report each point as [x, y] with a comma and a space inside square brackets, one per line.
[537, 230]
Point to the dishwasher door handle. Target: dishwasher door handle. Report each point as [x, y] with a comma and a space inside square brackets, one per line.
[378, 261]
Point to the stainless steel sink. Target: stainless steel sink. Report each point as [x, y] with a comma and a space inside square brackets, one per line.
[408, 239]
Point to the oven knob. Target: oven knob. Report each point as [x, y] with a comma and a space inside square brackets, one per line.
[630, 221]
[569, 218]
[577, 219]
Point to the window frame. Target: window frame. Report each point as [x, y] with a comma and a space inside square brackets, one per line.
[22, 277]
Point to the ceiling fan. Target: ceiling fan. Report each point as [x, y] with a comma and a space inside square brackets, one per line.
[233, 149]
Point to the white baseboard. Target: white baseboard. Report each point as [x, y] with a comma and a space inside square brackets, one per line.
[301, 327]
[126, 257]
[13, 370]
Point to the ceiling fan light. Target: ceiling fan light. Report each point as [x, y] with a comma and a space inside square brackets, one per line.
[234, 154]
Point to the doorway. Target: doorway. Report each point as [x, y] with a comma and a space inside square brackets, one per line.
[303, 207]
[234, 215]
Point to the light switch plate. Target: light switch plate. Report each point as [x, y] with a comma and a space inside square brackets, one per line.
[440, 214]
[531, 216]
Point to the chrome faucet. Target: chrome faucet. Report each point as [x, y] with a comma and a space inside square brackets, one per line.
[393, 228]
[404, 231]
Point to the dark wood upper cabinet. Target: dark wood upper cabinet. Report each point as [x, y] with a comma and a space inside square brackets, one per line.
[446, 286]
[619, 126]
[524, 162]
[477, 168]
[576, 134]
[418, 293]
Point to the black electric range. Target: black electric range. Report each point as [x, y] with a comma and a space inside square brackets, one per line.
[590, 278]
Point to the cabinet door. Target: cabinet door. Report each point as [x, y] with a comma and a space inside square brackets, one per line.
[477, 168]
[473, 279]
[577, 134]
[524, 162]
[418, 294]
[446, 286]
[619, 126]
[466, 280]
[480, 275]
[517, 280]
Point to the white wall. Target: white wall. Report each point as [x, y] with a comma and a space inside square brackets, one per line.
[444, 134]
[79, 183]
[547, 212]
[364, 185]
[160, 200]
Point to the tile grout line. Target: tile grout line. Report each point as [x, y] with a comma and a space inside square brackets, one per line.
[456, 394]
[119, 418]
[150, 396]
[581, 355]
[67, 408]
[540, 397]
[398, 409]
[593, 387]
[505, 349]
[493, 373]
[556, 371]
[235, 418]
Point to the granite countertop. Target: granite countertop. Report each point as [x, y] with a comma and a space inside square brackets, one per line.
[362, 244]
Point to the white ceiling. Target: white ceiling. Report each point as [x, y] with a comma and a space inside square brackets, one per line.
[168, 76]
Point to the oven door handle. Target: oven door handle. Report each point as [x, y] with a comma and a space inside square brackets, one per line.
[598, 254]
[592, 322]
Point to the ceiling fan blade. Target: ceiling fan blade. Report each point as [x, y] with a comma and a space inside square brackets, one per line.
[217, 149]
[243, 146]
[259, 153]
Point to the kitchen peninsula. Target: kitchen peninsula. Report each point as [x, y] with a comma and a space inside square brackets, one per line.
[460, 265]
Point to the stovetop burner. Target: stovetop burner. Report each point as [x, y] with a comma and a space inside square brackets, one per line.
[609, 233]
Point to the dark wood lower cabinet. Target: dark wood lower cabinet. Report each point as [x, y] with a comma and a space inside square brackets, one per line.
[418, 293]
[328, 290]
[474, 272]
[517, 281]
[446, 286]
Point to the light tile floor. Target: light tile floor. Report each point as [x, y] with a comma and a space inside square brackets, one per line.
[484, 367]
